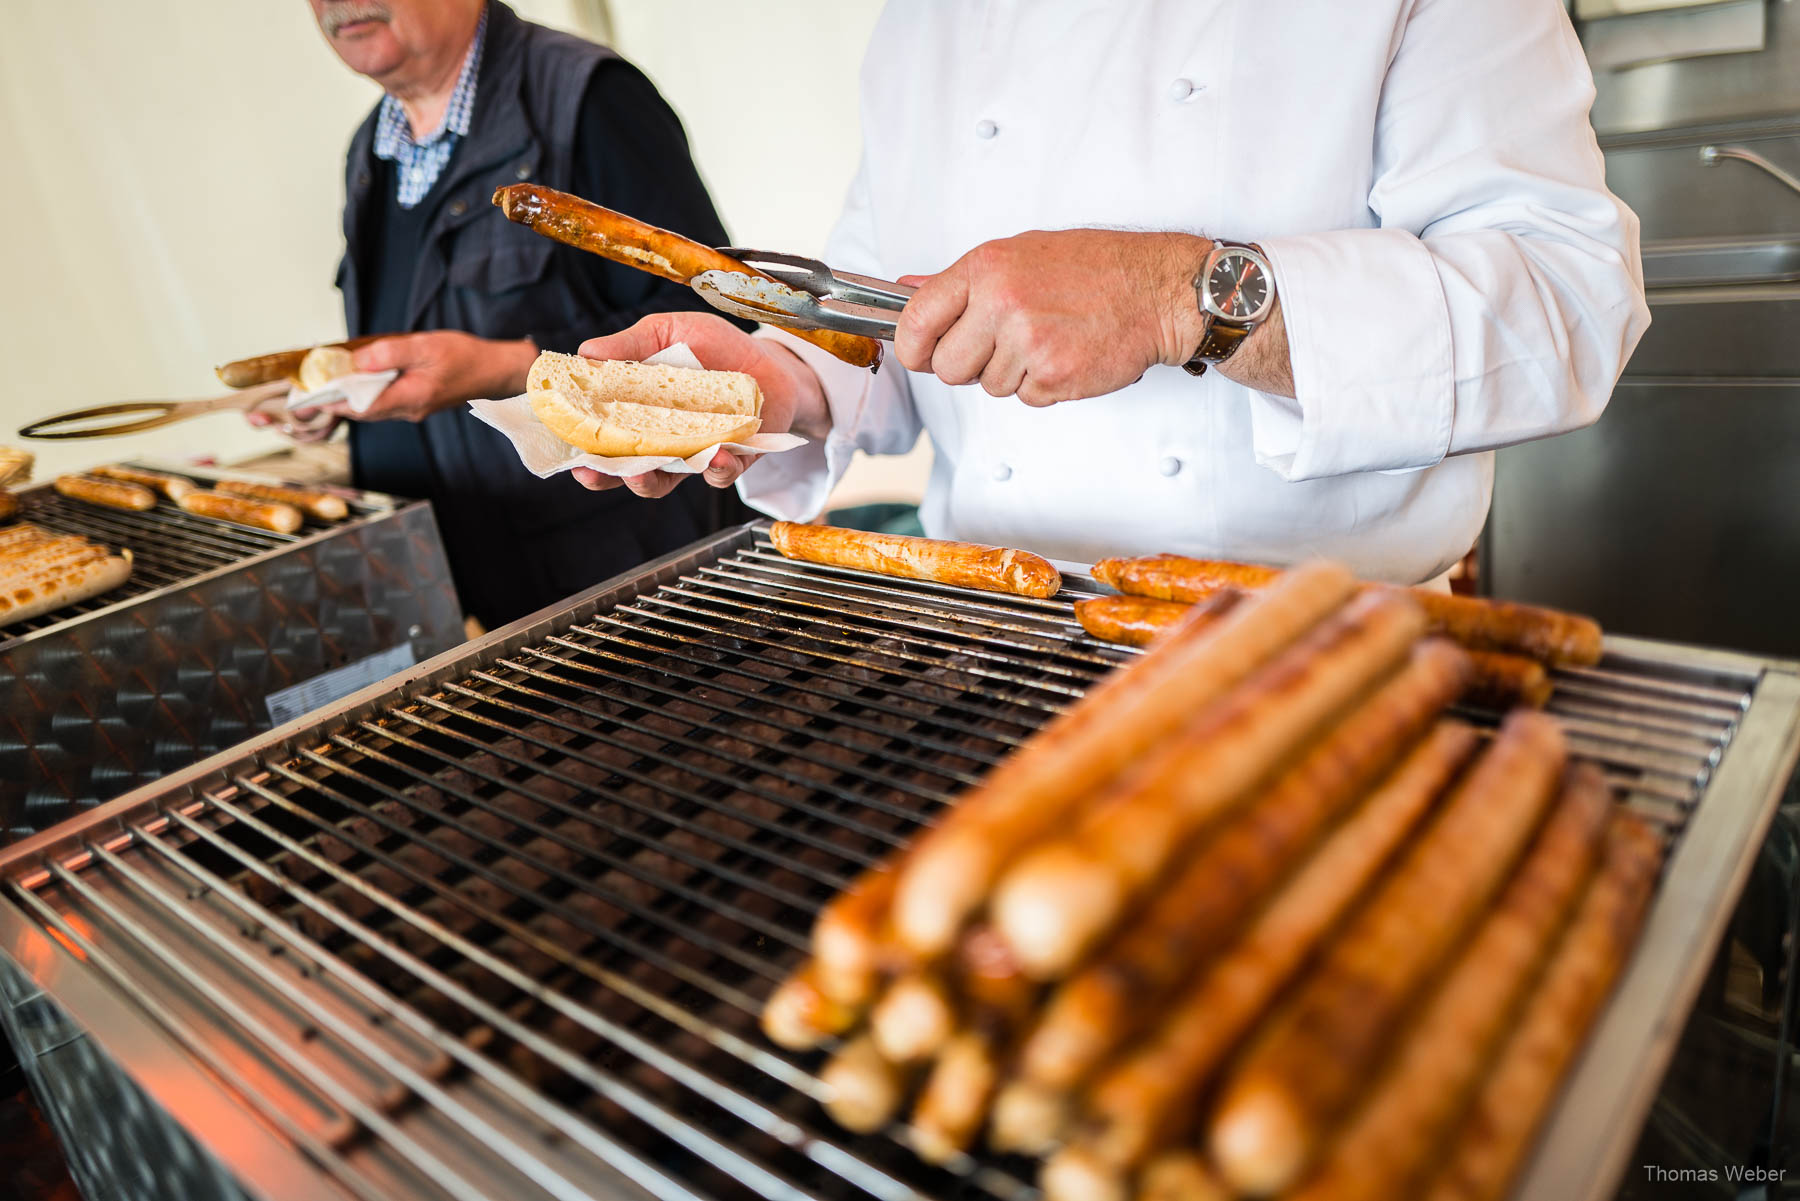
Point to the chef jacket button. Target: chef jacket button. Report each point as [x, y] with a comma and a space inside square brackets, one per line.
[458, 207]
[1181, 89]
[1170, 465]
[1002, 473]
[986, 129]
[524, 171]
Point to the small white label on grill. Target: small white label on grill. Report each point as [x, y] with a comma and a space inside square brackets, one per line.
[339, 682]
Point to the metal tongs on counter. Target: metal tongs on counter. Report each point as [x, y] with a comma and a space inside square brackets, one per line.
[803, 293]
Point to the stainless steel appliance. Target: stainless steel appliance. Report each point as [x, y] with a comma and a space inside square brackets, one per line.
[1675, 516]
[221, 632]
[500, 927]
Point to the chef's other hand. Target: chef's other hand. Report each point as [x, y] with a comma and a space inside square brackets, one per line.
[792, 397]
[1056, 316]
[438, 370]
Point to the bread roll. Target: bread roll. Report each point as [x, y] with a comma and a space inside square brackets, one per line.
[323, 364]
[623, 408]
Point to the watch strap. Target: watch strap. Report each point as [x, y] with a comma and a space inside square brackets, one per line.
[1218, 342]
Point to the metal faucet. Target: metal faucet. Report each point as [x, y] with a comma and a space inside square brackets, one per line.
[1712, 156]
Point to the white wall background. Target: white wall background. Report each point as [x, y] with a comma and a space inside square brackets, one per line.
[174, 180]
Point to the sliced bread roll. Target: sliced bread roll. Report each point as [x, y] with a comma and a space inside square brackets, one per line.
[620, 408]
[323, 364]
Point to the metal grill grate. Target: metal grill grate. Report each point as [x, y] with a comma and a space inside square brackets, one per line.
[168, 546]
[508, 935]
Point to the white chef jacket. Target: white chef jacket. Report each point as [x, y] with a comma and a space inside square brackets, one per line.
[1454, 274]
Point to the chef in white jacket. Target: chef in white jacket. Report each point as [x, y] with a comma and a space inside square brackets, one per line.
[1383, 225]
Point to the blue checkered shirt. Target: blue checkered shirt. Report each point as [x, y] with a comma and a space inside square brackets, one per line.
[419, 163]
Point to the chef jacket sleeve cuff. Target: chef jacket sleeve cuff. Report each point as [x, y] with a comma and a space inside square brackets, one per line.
[1368, 333]
[794, 485]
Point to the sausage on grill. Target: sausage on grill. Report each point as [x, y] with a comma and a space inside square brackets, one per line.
[1484, 1155]
[1063, 896]
[1500, 682]
[321, 506]
[1309, 1060]
[110, 493]
[914, 1018]
[1562, 639]
[863, 1091]
[952, 868]
[1145, 1098]
[23, 598]
[799, 1016]
[1382, 1150]
[262, 514]
[1128, 620]
[1207, 901]
[172, 486]
[964, 564]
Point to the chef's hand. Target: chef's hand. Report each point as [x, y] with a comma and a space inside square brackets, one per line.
[792, 397]
[1049, 317]
[438, 370]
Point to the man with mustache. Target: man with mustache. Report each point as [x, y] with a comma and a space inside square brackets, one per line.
[474, 98]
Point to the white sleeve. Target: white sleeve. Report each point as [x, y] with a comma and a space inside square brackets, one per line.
[1503, 291]
[870, 411]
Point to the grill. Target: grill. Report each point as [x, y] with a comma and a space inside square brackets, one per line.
[216, 621]
[168, 546]
[502, 928]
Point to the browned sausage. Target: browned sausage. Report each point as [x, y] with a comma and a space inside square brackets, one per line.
[1484, 1155]
[322, 506]
[799, 1016]
[951, 869]
[283, 519]
[1064, 895]
[964, 564]
[863, 1091]
[954, 1102]
[35, 595]
[914, 1018]
[1030, 1119]
[1383, 1149]
[1181, 1176]
[109, 493]
[586, 226]
[283, 364]
[53, 555]
[1309, 1060]
[1488, 625]
[1130, 620]
[172, 486]
[9, 507]
[849, 936]
[1204, 906]
[1503, 681]
[1142, 1101]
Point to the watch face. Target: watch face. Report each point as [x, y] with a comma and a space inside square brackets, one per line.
[1237, 286]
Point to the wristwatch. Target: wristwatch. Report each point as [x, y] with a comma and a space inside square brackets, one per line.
[1236, 292]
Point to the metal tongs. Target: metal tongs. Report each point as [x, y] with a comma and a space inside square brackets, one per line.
[135, 416]
[803, 293]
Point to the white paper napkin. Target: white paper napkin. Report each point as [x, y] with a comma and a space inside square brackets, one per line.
[359, 390]
[545, 455]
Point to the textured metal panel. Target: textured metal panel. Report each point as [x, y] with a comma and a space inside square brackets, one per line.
[111, 698]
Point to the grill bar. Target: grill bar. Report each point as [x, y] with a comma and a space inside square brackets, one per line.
[551, 882]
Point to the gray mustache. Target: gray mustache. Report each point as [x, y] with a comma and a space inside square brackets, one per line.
[339, 13]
